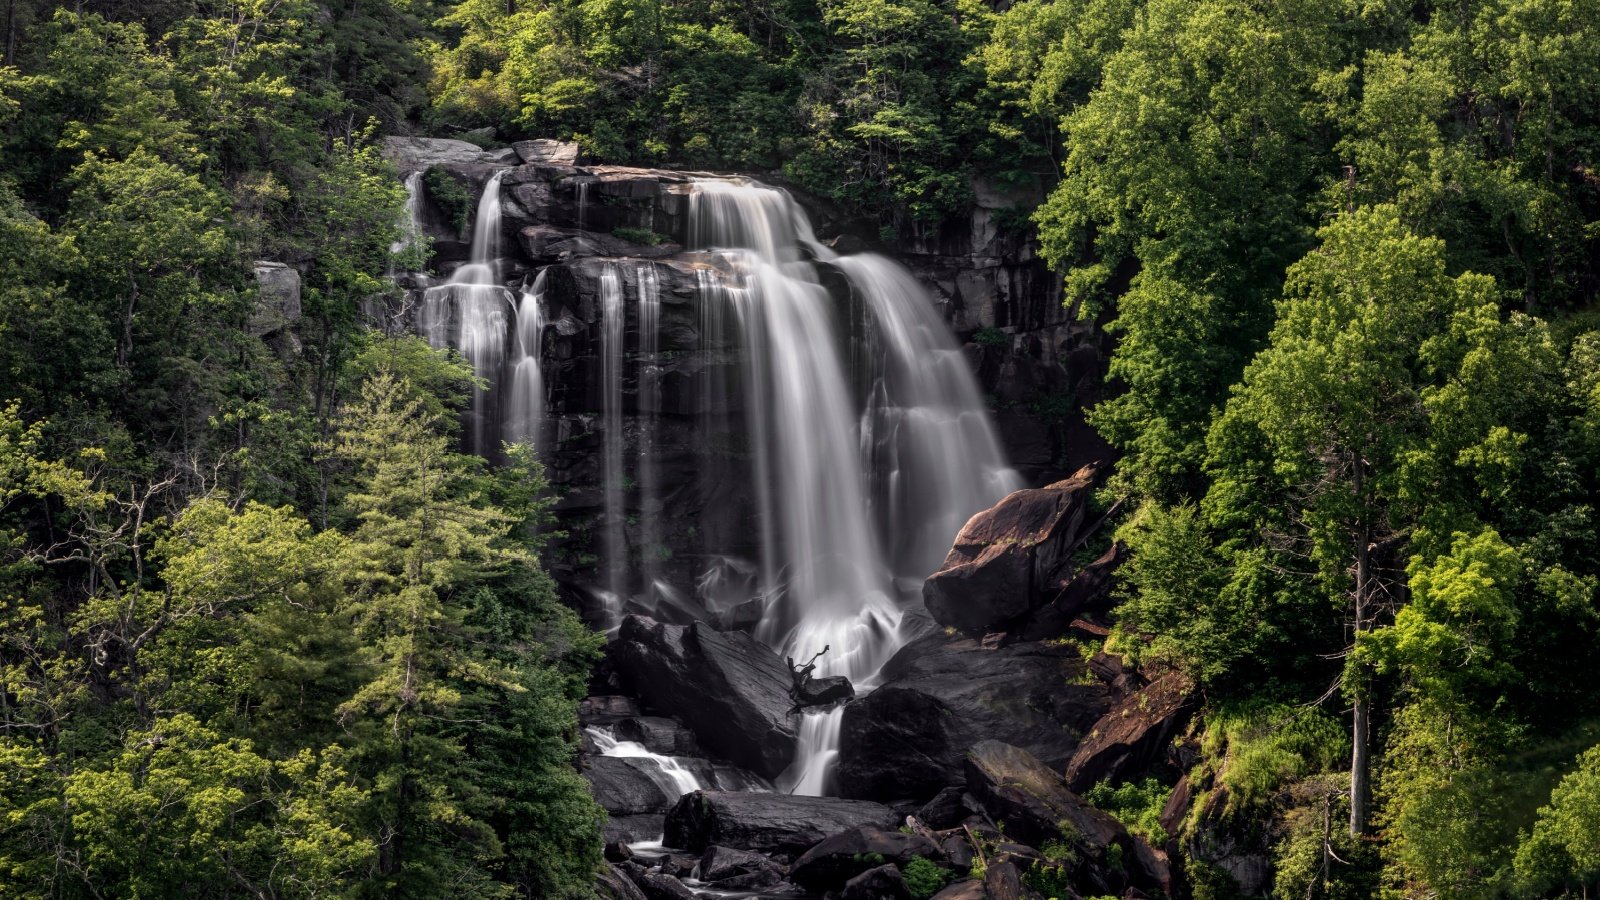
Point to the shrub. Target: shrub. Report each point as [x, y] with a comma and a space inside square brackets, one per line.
[923, 878]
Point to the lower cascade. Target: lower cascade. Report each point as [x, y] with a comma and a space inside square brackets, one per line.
[839, 438]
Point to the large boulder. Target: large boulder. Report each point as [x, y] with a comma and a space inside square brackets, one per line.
[418, 154]
[611, 884]
[766, 823]
[841, 857]
[726, 686]
[1038, 808]
[546, 152]
[627, 786]
[881, 883]
[943, 693]
[1134, 734]
[1086, 591]
[729, 869]
[277, 303]
[1007, 556]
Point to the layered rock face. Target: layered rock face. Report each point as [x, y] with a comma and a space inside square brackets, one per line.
[594, 229]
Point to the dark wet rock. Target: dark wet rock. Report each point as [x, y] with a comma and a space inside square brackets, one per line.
[825, 691]
[658, 735]
[945, 810]
[963, 890]
[1134, 735]
[1003, 881]
[731, 869]
[943, 693]
[1038, 808]
[678, 866]
[741, 617]
[612, 884]
[1006, 557]
[957, 852]
[624, 787]
[1087, 590]
[631, 829]
[840, 857]
[608, 705]
[728, 687]
[1033, 800]
[881, 883]
[659, 886]
[617, 851]
[766, 823]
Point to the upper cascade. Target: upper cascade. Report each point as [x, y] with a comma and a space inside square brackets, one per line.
[756, 429]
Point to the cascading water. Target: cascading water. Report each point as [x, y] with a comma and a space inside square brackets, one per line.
[471, 313]
[667, 773]
[524, 415]
[650, 404]
[411, 226]
[930, 451]
[611, 350]
[828, 574]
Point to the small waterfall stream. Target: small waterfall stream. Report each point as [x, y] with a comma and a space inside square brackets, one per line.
[668, 774]
[611, 351]
[865, 441]
[471, 313]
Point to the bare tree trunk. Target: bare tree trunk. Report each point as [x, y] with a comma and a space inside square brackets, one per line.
[1361, 725]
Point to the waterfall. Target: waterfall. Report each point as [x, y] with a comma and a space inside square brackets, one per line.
[650, 513]
[471, 313]
[668, 774]
[828, 574]
[929, 448]
[411, 226]
[866, 444]
[525, 400]
[611, 349]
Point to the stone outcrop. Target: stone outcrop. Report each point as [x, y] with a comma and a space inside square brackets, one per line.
[1134, 735]
[1038, 808]
[277, 304]
[548, 152]
[766, 823]
[726, 686]
[943, 693]
[1007, 558]
[418, 154]
[730, 870]
[841, 857]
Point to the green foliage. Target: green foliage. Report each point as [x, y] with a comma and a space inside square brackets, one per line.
[1261, 747]
[991, 337]
[1564, 849]
[454, 200]
[639, 236]
[1137, 804]
[924, 878]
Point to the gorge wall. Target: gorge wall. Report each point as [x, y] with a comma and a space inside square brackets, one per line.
[591, 230]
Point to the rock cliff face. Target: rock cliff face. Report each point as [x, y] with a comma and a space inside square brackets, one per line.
[583, 225]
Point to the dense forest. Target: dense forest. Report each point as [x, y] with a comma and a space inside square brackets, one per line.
[265, 631]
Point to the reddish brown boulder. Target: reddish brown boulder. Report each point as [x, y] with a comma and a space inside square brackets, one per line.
[1007, 556]
[1038, 808]
[1134, 735]
[1086, 590]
